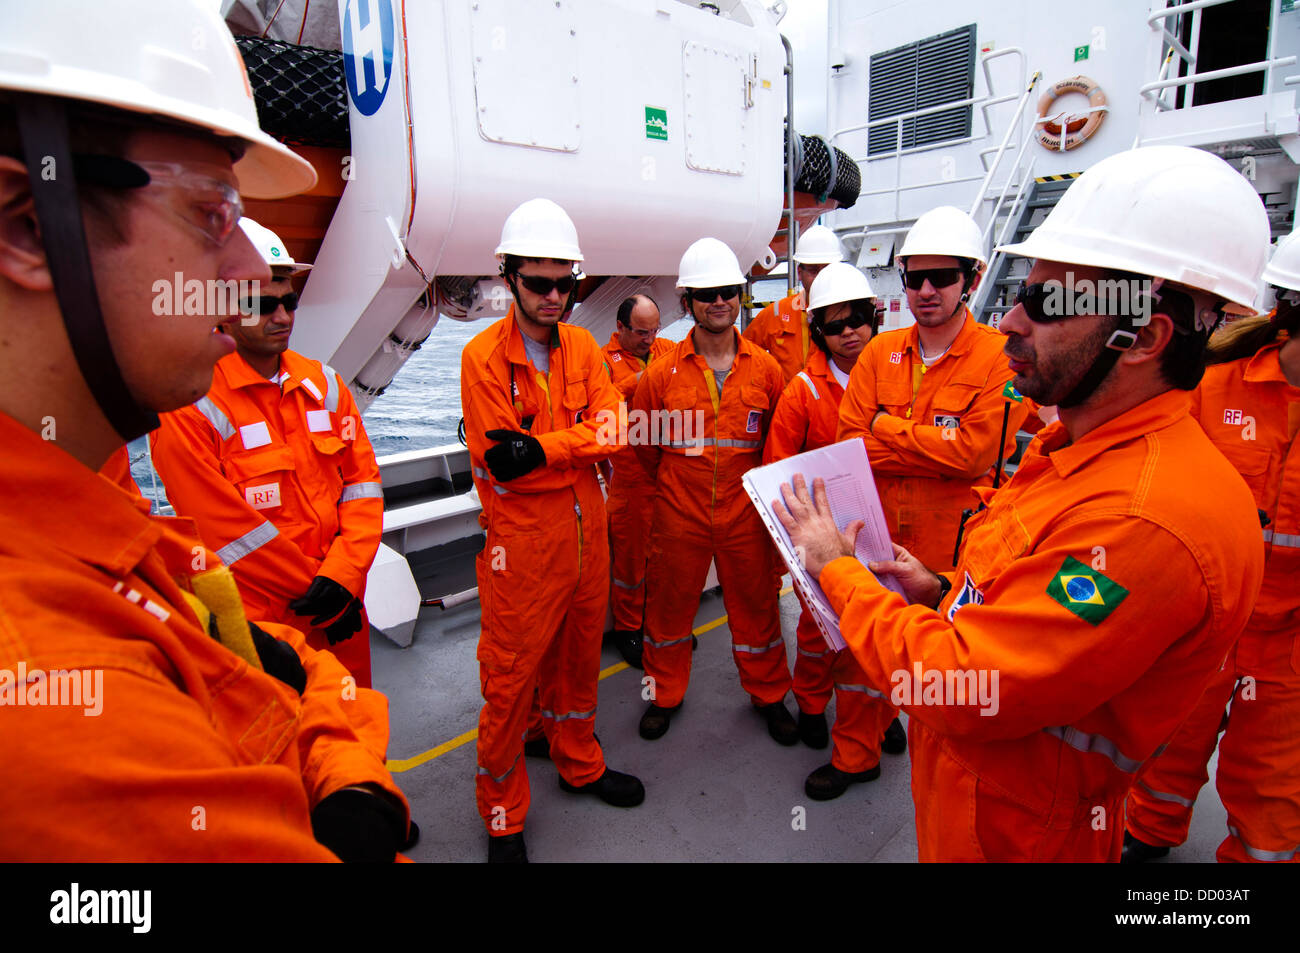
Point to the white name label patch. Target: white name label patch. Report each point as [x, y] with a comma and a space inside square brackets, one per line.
[318, 420]
[255, 435]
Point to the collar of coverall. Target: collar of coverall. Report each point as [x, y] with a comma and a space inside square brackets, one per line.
[239, 373]
[689, 341]
[1145, 418]
[515, 351]
[94, 522]
[962, 343]
[1266, 365]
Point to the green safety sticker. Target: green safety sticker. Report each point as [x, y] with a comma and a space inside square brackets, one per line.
[1080, 53]
[656, 123]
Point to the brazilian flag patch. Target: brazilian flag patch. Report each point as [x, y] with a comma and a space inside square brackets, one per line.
[1086, 592]
[1010, 393]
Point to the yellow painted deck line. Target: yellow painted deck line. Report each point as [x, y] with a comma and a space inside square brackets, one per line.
[399, 765]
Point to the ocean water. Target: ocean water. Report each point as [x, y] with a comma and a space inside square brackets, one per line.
[421, 407]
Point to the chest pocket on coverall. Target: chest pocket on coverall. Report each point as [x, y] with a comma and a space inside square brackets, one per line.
[251, 469]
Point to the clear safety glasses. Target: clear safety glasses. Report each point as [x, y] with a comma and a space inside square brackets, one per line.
[209, 205]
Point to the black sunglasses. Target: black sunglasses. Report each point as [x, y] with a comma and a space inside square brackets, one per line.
[266, 304]
[710, 295]
[938, 277]
[855, 320]
[543, 286]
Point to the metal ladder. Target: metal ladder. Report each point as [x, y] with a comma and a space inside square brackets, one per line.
[996, 294]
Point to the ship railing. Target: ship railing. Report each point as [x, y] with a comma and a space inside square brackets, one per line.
[1154, 91]
[985, 103]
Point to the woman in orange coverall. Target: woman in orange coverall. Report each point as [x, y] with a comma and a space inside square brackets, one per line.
[844, 317]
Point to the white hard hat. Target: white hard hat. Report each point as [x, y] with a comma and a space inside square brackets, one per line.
[540, 229]
[1169, 212]
[1283, 269]
[945, 231]
[175, 59]
[818, 246]
[709, 263]
[270, 247]
[838, 282]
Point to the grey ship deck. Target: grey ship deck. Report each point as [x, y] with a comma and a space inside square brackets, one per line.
[717, 787]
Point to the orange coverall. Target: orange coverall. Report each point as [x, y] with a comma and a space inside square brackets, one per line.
[698, 451]
[194, 754]
[924, 478]
[543, 574]
[806, 418]
[1097, 594]
[283, 484]
[1252, 415]
[631, 497]
[782, 330]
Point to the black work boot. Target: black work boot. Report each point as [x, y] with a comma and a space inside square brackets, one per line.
[779, 723]
[508, 849]
[895, 740]
[1139, 852]
[628, 643]
[612, 787]
[813, 730]
[829, 782]
[654, 723]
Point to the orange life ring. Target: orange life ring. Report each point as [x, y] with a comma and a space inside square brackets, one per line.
[1078, 129]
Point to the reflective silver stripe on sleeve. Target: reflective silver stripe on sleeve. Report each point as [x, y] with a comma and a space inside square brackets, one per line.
[480, 472]
[1097, 744]
[758, 649]
[1164, 795]
[567, 715]
[250, 542]
[664, 645]
[362, 491]
[1264, 855]
[514, 764]
[331, 389]
[629, 585]
[1289, 540]
[806, 654]
[865, 689]
[220, 422]
[811, 386]
[742, 444]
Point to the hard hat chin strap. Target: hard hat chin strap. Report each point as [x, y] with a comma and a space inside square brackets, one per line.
[1120, 340]
[43, 127]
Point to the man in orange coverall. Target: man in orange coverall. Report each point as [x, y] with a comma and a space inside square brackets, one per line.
[150, 721]
[704, 410]
[630, 350]
[535, 394]
[781, 329]
[928, 401]
[844, 317]
[1093, 601]
[274, 466]
[1249, 405]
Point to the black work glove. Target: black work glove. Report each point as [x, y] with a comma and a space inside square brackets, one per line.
[346, 625]
[359, 827]
[323, 600]
[279, 659]
[516, 454]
